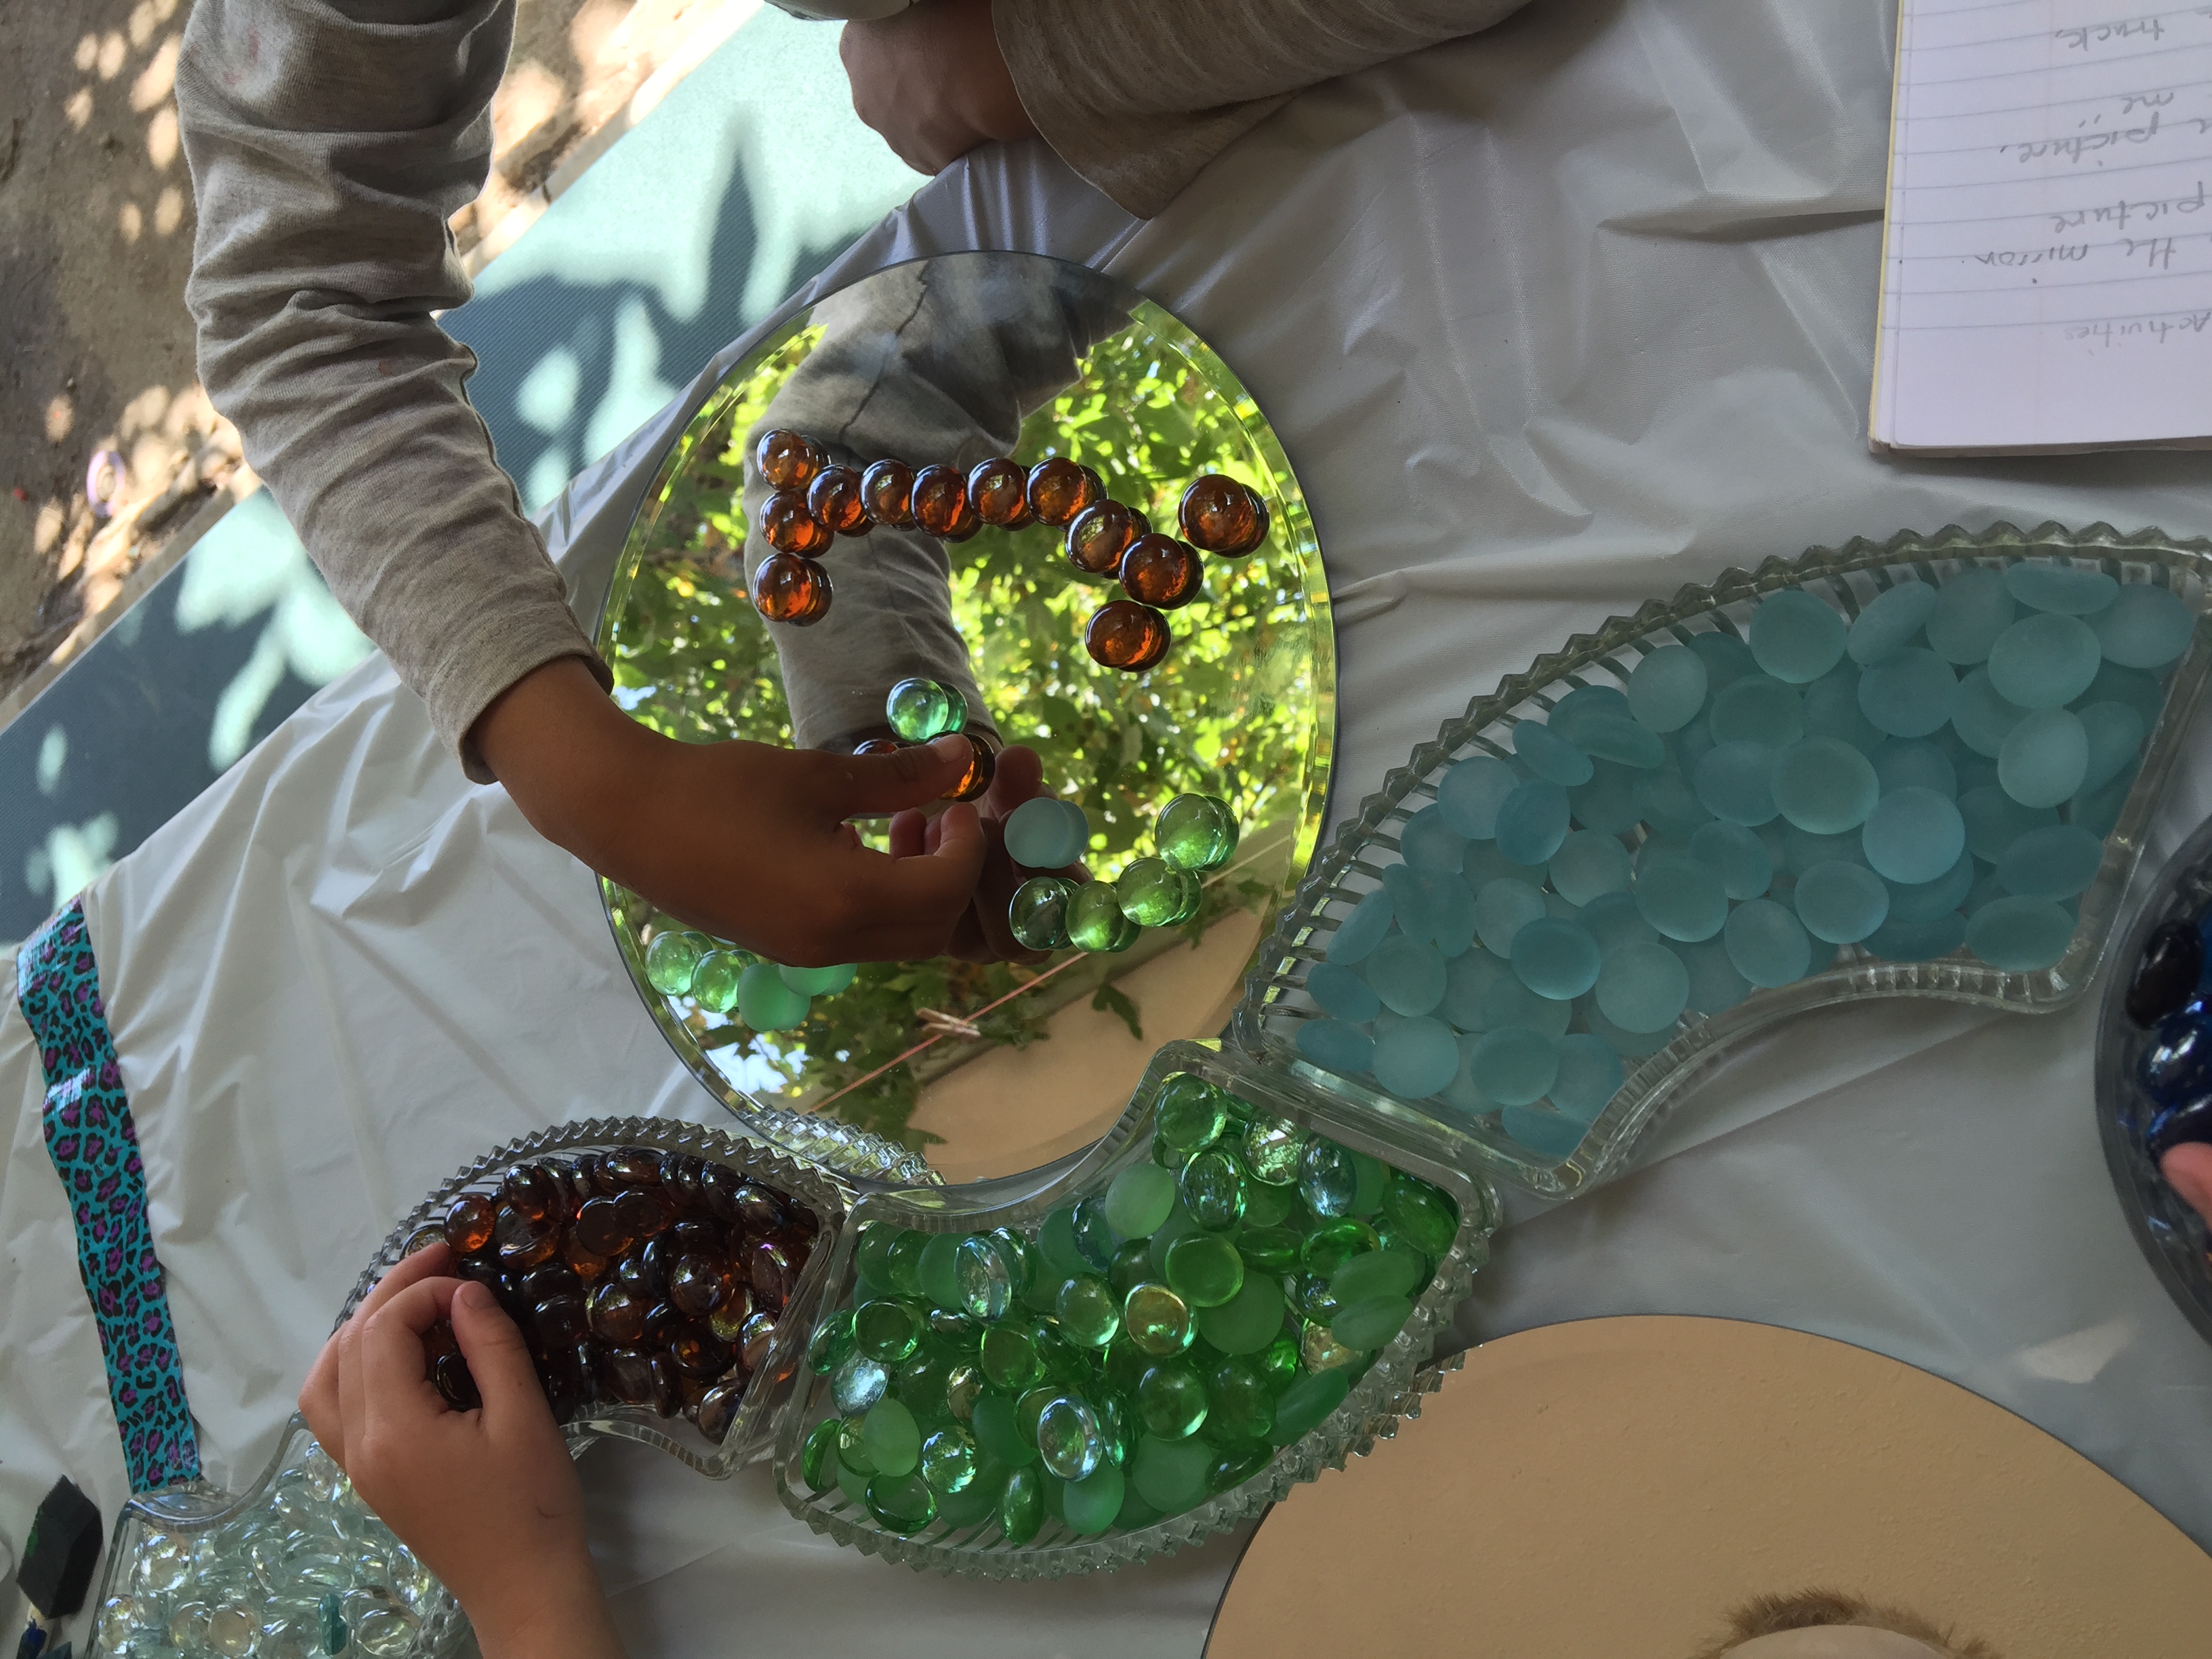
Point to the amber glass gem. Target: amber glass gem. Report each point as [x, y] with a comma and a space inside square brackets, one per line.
[1127, 636]
[718, 1409]
[940, 500]
[600, 1228]
[631, 1166]
[753, 1343]
[554, 1278]
[999, 491]
[1058, 488]
[529, 1191]
[558, 1320]
[835, 500]
[643, 1212]
[680, 1176]
[469, 1221]
[424, 1237]
[695, 1232]
[1223, 515]
[697, 1284]
[1161, 572]
[983, 764]
[721, 1186]
[727, 1321]
[878, 746]
[787, 588]
[965, 523]
[788, 460]
[772, 1273]
[527, 1245]
[887, 492]
[640, 1272]
[627, 1373]
[667, 1386]
[1099, 535]
[587, 1265]
[692, 1350]
[759, 1209]
[450, 1373]
[789, 525]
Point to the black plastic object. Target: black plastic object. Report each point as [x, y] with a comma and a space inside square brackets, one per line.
[2166, 973]
[61, 1552]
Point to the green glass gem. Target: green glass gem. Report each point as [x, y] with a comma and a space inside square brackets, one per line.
[885, 1330]
[1117, 1422]
[817, 1466]
[1365, 1326]
[985, 1288]
[852, 1446]
[1248, 1321]
[1056, 1244]
[1091, 1504]
[831, 1341]
[1205, 1269]
[1268, 1206]
[1018, 1254]
[1213, 1190]
[1010, 1359]
[1272, 1149]
[819, 981]
[952, 1329]
[1374, 1182]
[1239, 1404]
[1096, 922]
[1196, 832]
[1189, 1113]
[1135, 1513]
[1333, 1243]
[948, 1459]
[1139, 1201]
[1064, 1363]
[1021, 1506]
[1126, 1365]
[919, 710]
[331, 1623]
[1328, 1179]
[1090, 1313]
[1268, 1250]
[901, 1503]
[1157, 1320]
[1428, 1220]
[1095, 1241]
[922, 1381]
[715, 981]
[1155, 893]
[963, 1387]
[996, 1431]
[1180, 1223]
[854, 1483]
[1171, 1400]
[1307, 1402]
[857, 1384]
[1167, 1156]
[1029, 1407]
[1171, 1475]
[1069, 1438]
[1321, 1352]
[1037, 913]
[872, 1255]
[937, 1270]
[766, 1003]
[1280, 1365]
[671, 959]
[891, 1438]
[1313, 1299]
[1131, 1266]
[1234, 1466]
[1377, 1272]
[976, 1502]
[905, 1262]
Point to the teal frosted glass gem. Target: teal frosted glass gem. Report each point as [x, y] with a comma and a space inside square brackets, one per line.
[2045, 660]
[901, 1503]
[1606, 804]
[1824, 786]
[1021, 1506]
[1841, 902]
[1981, 719]
[1406, 975]
[1415, 1058]
[1213, 1189]
[1758, 708]
[2144, 627]
[1913, 835]
[1153, 893]
[1205, 1269]
[1667, 688]
[919, 710]
[1138, 1199]
[1995, 820]
[1509, 1002]
[1734, 782]
[1327, 1179]
[1171, 1400]
[1532, 822]
[1190, 1113]
[1910, 902]
[2020, 935]
[1681, 896]
[891, 1438]
[1070, 1441]
[1643, 988]
[1159, 1322]
[1554, 958]
[1972, 608]
[1589, 862]
[1090, 1313]
[2045, 758]
[858, 1384]
[1363, 1327]
[1767, 944]
[715, 981]
[1037, 914]
[1272, 1146]
[1429, 844]
[1046, 833]
[2115, 734]
[986, 1286]
[766, 1003]
[885, 1330]
[1667, 799]
[1911, 693]
[1735, 854]
[1340, 991]
[1891, 621]
[1726, 657]
[816, 1464]
[2048, 585]
[1196, 832]
[1605, 736]
[1470, 794]
[1613, 920]
[1898, 763]
[1715, 984]
[1588, 1076]
[1096, 922]
[1795, 637]
[949, 1460]
[1550, 1133]
[1831, 709]
[1502, 908]
[671, 959]
[2053, 863]
[1918, 941]
[1550, 755]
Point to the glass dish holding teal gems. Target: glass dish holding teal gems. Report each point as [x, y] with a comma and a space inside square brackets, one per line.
[877, 1074]
[1010, 1381]
[1920, 768]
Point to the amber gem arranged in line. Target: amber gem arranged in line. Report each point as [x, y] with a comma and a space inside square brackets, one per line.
[941, 506]
[836, 501]
[999, 491]
[787, 588]
[1161, 572]
[790, 526]
[788, 460]
[981, 770]
[887, 491]
[1223, 515]
[1127, 636]
[1098, 536]
[1058, 488]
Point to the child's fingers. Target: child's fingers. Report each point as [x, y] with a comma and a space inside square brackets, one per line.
[393, 1371]
[906, 831]
[506, 1382]
[907, 909]
[1018, 776]
[868, 786]
[2188, 1170]
[318, 1394]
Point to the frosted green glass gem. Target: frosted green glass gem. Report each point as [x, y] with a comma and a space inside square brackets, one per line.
[1758, 708]
[996, 1424]
[1272, 1147]
[1734, 782]
[1767, 944]
[1375, 1273]
[986, 1286]
[919, 710]
[1205, 1269]
[1171, 1475]
[2045, 757]
[857, 1385]
[2047, 586]
[1249, 1321]
[1037, 914]
[1096, 922]
[1213, 1189]
[1667, 687]
[766, 1003]
[716, 980]
[1170, 1400]
[1090, 1313]
[1307, 1402]
[1070, 1441]
[1841, 902]
[2144, 627]
[1091, 1504]
[1010, 1359]
[901, 1503]
[1642, 989]
[1406, 975]
[1590, 863]
[2053, 863]
[948, 1460]
[938, 1270]
[1159, 1322]
[891, 1438]
[1795, 637]
[1826, 787]
[1911, 693]
[1365, 1326]
[1555, 958]
[818, 981]
[1514, 1065]
[670, 960]
[1972, 608]
[1021, 1506]
[1550, 755]
[1891, 621]
[2044, 661]
[1046, 833]
[1155, 893]
[1914, 835]
[1196, 832]
[886, 1331]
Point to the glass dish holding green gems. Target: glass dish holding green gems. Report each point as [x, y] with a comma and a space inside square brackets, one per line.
[1241, 1285]
[1920, 768]
[962, 598]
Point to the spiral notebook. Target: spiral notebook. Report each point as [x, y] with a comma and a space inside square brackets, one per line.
[2047, 266]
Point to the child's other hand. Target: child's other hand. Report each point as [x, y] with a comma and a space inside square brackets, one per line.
[932, 80]
[983, 935]
[2188, 1170]
[748, 843]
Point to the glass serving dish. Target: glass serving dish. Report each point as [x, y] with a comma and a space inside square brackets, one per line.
[882, 1078]
[2172, 1235]
[1279, 1000]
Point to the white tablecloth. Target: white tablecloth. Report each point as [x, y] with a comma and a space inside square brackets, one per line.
[1551, 321]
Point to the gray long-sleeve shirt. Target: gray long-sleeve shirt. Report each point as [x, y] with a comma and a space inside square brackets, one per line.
[330, 140]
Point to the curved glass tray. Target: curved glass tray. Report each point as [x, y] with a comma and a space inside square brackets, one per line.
[1276, 1001]
[2171, 1234]
[1388, 1390]
[1242, 707]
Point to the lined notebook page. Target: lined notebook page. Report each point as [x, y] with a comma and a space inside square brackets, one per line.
[2047, 278]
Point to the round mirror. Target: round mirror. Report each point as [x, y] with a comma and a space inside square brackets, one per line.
[983, 1068]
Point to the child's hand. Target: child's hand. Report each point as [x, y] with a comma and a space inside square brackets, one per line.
[487, 1499]
[983, 935]
[932, 80]
[2188, 1170]
[746, 842]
